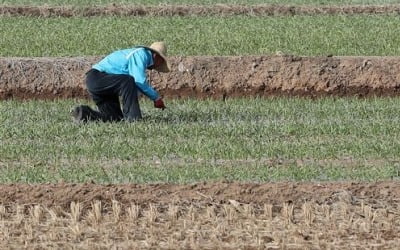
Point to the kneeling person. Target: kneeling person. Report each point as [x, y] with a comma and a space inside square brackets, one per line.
[121, 74]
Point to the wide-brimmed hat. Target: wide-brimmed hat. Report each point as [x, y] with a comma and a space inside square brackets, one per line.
[161, 49]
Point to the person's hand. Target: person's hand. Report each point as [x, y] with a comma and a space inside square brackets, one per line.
[159, 104]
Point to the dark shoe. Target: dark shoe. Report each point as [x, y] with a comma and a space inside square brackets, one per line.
[84, 113]
[77, 114]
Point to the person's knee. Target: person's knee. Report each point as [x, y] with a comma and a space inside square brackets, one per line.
[91, 79]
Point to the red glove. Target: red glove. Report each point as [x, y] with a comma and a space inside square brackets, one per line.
[159, 104]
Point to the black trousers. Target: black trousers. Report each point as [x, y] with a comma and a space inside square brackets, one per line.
[106, 89]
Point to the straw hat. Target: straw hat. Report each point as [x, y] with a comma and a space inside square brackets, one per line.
[161, 49]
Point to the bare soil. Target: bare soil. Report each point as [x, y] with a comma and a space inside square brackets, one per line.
[215, 77]
[221, 215]
[378, 194]
[194, 10]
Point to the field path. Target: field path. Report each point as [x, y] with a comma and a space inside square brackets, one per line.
[194, 10]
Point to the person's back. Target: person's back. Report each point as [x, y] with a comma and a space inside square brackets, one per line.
[118, 61]
[114, 63]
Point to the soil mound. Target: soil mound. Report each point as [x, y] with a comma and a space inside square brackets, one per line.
[194, 10]
[63, 194]
[215, 77]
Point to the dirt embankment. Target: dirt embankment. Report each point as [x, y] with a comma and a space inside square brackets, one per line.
[215, 77]
[194, 10]
[50, 195]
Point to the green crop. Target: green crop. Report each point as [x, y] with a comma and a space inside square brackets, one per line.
[196, 2]
[239, 35]
[193, 140]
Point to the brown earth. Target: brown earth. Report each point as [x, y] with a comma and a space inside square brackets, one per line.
[215, 77]
[194, 10]
[377, 194]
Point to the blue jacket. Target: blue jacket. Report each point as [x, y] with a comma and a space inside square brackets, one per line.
[133, 62]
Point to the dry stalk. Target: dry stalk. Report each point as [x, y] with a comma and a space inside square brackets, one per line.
[53, 216]
[184, 224]
[344, 211]
[326, 211]
[308, 213]
[51, 236]
[369, 214]
[363, 207]
[19, 216]
[60, 212]
[75, 211]
[94, 216]
[378, 236]
[3, 212]
[201, 235]
[229, 212]
[76, 231]
[349, 223]
[28, 230]
[210, 212]
[385, 212]
[151, 239]
[133, 212]
[391, 220]
[151, 214]
[173, 212]
[36, 214]
[287, 212]
[221, 229]
[171, 243]
[248, 211]
[268, 211]
[192, 241]
[192, 213]
[5, 232]
[116, 208]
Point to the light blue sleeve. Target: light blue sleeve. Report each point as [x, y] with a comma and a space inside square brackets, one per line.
[137, 65]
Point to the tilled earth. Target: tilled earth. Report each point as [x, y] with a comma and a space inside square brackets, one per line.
[375, 193]
[203, 215]
[215, 77]
[194, 10]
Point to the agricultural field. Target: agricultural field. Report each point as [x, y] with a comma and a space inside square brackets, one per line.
[236, 139]
[281, 129]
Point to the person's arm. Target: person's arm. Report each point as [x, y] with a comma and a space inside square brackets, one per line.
[137, 65]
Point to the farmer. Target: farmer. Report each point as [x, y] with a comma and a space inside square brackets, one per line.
[120, 75]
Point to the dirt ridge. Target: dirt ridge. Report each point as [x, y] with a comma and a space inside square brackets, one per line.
[215, 77]
[63, 194]
[194, 10]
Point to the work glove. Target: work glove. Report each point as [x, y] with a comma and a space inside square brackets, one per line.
[159, 104]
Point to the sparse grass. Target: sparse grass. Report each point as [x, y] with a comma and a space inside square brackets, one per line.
[196, 2]
[240, 139]
[239, 35]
